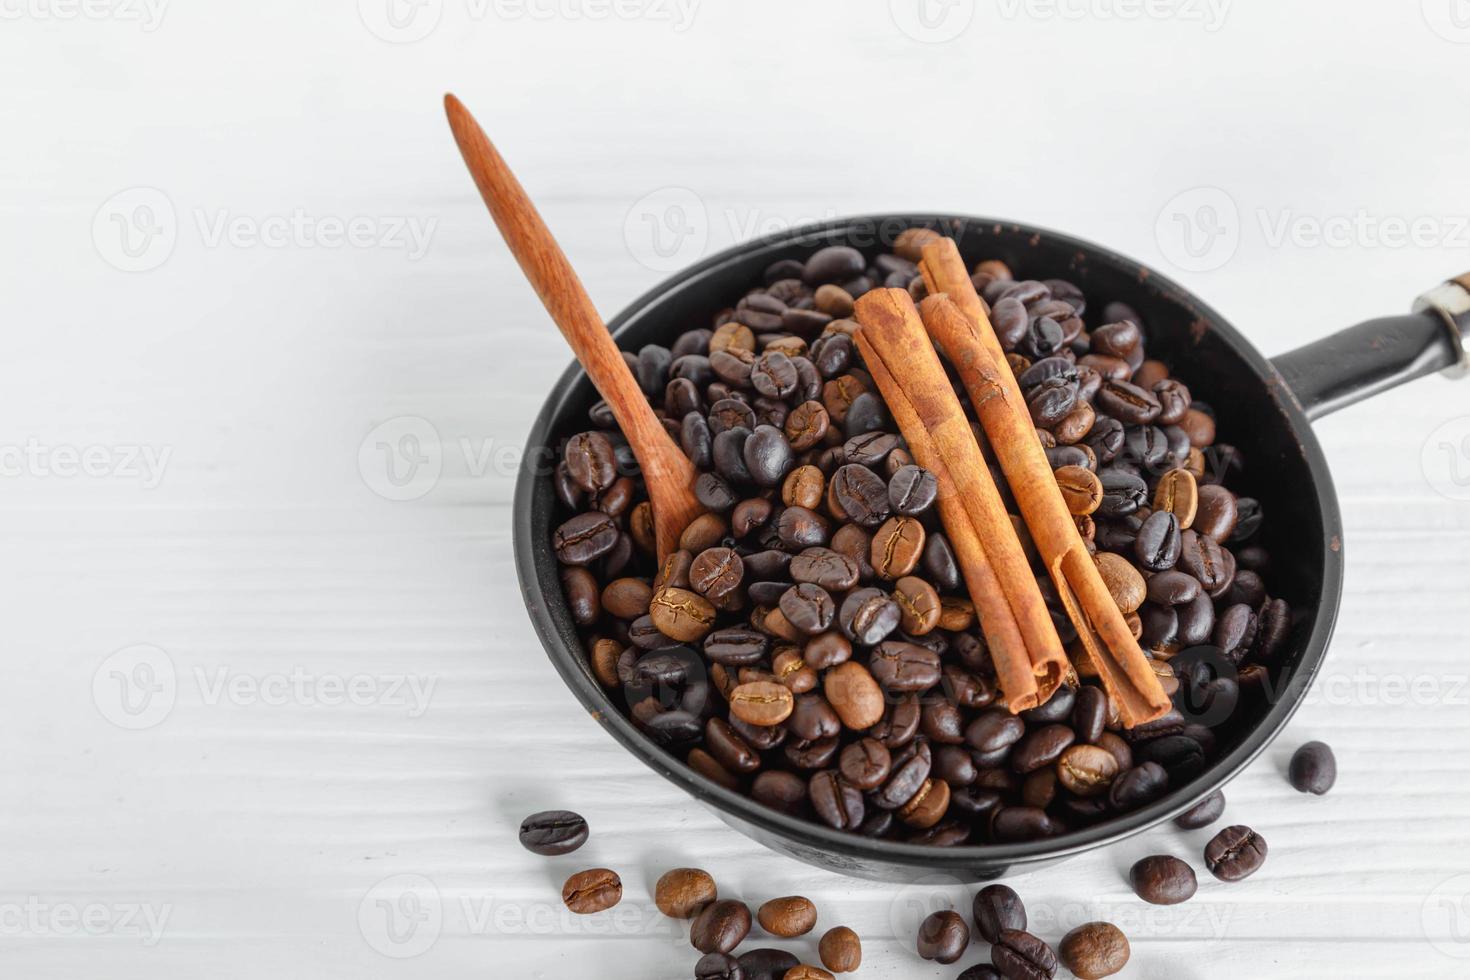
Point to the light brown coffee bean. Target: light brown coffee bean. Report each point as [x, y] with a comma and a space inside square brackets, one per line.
[709, 767]
[626, 598]
[1075, 425]
[787, 917]
[1125, 583]
[918, 605]
[928, 805]
[682, 892]
[897, 547]
[804, 487]
[640, 527]
[1081, 489]
[803, 971]
[841, 950]
[833, 300]
[705, 531]
[854, 695]
[1094, 950]
[762, 703]
[1086, 770]
[732, 336]
[681, 615]
[592, 891]
[792, 671]
[955, 614]
[605, 654]
[1178, 493]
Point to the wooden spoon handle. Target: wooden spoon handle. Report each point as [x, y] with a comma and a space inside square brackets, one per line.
[553, 278]
[561, 292]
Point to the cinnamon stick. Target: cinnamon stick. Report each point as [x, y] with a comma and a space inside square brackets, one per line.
[1028, 656]
[956, 320]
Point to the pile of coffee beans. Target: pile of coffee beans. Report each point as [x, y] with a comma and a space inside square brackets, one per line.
[811, 642]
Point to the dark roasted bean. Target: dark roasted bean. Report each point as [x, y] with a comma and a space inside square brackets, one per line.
[1234, 853]
[868, 615]
[1018, 955]
[1138, 786]
[1163, 880]
[943, 937]
[1313, 768]
[1203, 813]
[997, 908]
[720, 927]
[553, 832]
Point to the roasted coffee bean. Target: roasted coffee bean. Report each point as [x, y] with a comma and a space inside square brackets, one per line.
[1081, 489]
[1057, 708]
[835, 263]
[680, 614]
[720, 926]
[716, 572]
[867, 413]
[1163, 880]
[1086, 770]
[1125, 584]
[1313, 768]
[553, 832]
[804, 486]
[854, 694]
[902, 667]
[683, 892]
[585, 538]
[997, 908]
[779, 790]
[808, 607]
[1018, 955]
[1178, 494]
[981, 971]
[1217, 514]
[927, 806]
[1021, 823]
[897, 547]
[910, 771]
[912, 490]
[1234, 853]
[841, 950]
[1041, 747]
[1181, 756]
[943, 937]
[1123, 493]
[861, 493]
[1094, 950]
[592, 891]
[867, 616]
[736, 646]
[799, 528]
[1127, 402]
[767, 964]
[805, 971]
[1202, 557]
[994, 730]
[827, 650]
[729, 748]
[865, 763]
[899, 722]
[1138, 786]
[763, 703]
[940, 566]
[918, 603]
[1159, 541]
[590, 461]
[718, 966]
[787, 917]
[580, 588]
[1203, 813]
[824, 567]
[1235, 631]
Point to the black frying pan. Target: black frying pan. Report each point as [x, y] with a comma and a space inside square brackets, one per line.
[1263, 406]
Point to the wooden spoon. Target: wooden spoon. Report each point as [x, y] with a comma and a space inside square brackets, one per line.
[667, 472]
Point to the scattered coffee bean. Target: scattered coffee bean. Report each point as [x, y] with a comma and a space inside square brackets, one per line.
[787, 917]
[841, 950]
[1313, 768]
[805, 971]
[996, 909]
[767, 964]
[1203, 813]
[682, 892]
[592, 891]
[1234, 853]
[1018, 955]
[1162, 879]
[943, 937]
[553, 832]
[718, 966]
[720, 926]
[1094, 950]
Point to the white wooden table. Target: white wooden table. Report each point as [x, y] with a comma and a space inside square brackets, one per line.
[262, 718]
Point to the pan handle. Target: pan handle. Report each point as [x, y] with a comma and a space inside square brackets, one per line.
[1361, 361]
